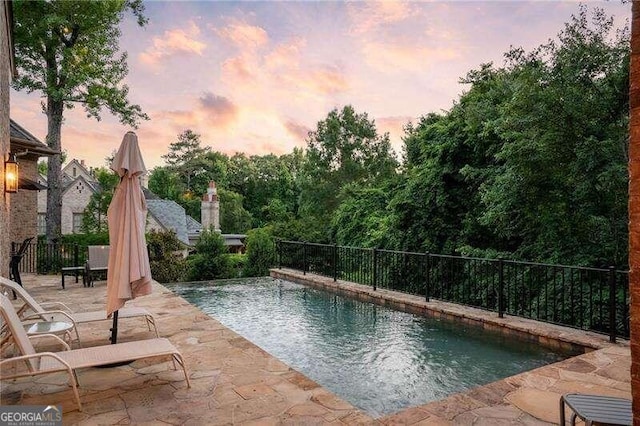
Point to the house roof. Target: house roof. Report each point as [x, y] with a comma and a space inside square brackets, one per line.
[149, 195]
[171, 216]
[22, 140]
[79, 165]
[193, 226]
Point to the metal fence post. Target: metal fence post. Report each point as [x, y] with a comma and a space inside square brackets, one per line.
[501, 288]
[612, 304]
[335, 262]
[304, 258]
[279, 249]
[375, 268]
[427, 276]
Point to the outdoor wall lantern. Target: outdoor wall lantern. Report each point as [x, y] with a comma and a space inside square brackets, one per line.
[11, 174]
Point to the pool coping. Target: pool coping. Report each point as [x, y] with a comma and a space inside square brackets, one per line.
[236, 382]
[553, 336]
[531, 397]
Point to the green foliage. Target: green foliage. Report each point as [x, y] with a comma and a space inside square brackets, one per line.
[84, 240]
[234, 219]
[345, 148]
[261, 252]
[185, 157]
[363, 219]
[237, 262]
[165, 184]
[94, 219]
[211, 260]
[531, 161]
[165, 258]
[69, 51]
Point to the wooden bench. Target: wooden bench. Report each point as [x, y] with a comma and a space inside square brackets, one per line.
[97, 262]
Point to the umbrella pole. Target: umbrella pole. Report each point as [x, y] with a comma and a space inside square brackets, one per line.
[114, 329]
[113, 338]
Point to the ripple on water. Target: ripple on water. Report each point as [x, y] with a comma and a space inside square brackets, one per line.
[378, 359]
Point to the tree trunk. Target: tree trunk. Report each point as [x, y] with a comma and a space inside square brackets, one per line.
[54, 172]
[634, 208]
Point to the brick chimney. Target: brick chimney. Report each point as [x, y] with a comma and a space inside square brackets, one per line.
[210, 212]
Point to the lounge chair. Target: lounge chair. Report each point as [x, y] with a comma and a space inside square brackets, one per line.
[71, 360]
[97, 262]
[76, 317]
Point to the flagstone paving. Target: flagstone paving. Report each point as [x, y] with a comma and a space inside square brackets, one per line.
[235, 382]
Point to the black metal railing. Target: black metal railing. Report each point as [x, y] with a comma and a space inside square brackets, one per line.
[593, 299]
[45, 258]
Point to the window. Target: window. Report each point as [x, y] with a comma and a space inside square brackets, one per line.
[77, 223]
[42, 223]
[74, 172]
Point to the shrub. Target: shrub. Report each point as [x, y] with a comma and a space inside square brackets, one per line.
[167, 265]
[211, 260]
[261, 252]
[238, 262]
[84, 240]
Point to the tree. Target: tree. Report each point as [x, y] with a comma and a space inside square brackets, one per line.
[560, 181]
[345, 148]
[165, 183]
[185, 156]
[94, 218]
[234, 218]
[68, 51]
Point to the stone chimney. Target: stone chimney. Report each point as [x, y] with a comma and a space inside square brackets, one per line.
[210, 211]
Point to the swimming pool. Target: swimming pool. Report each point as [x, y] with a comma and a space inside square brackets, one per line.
[378, 359]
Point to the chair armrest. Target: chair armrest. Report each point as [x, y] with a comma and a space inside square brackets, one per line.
[62, 305]
[26, 358]
[59, 340]
[43, 315]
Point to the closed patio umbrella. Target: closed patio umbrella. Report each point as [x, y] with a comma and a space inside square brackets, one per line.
[129, 274]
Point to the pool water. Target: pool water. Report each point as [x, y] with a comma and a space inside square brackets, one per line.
[378, 359]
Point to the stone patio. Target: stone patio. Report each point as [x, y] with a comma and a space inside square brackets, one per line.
[235, 382]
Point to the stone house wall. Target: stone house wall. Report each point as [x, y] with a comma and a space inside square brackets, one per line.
[23, 216]
[5, 80]
[74, 201]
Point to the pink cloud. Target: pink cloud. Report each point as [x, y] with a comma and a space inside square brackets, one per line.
[369, 16]
[299, 131]
[243, 34]
[237, 68]
[218, 109]
[209, 110]
[174, 42]
[286, 55]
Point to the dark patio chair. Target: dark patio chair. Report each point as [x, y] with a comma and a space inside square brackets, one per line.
[14, 263]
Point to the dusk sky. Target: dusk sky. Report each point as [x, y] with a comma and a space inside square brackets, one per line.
[255, 77]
